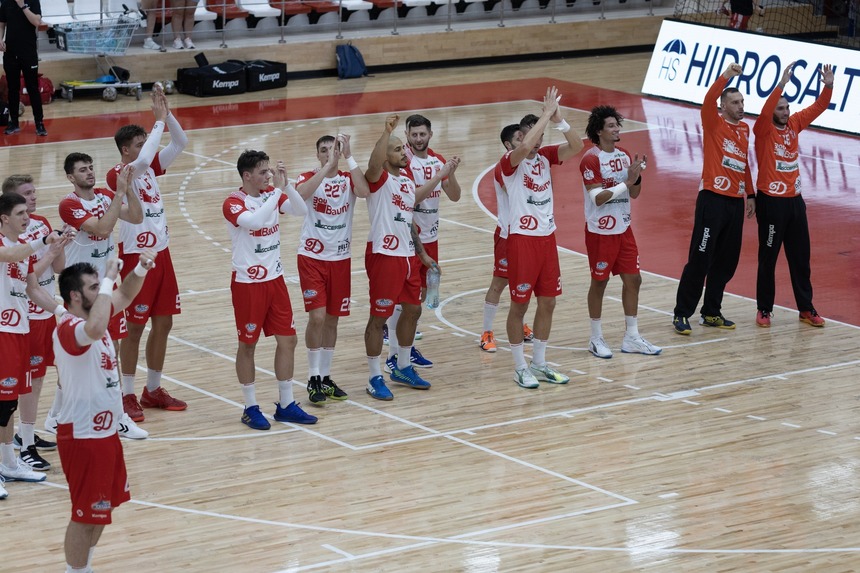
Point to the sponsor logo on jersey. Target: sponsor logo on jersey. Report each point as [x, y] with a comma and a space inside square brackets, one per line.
[141, 308]
[786, 166]
[733, 164]
[36, 360]
[524, 287]
[9, 382]
[251, 327]
[602, 265]
[101, 505]
[310, 293]
[384, 302]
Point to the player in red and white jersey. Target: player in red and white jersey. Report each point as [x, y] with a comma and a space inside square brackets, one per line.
[260, 297]
[158, 300]
[18, 286]
[424, 163]
[532, 254]
[48, 260]
[394, 256]
[725, 193]
[94, 212]
[511, 137]
[611, 179]
[91, 415]
[324, 257]
[779, 207]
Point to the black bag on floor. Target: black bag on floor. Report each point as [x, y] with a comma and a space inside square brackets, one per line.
[227, 78]
[265, 75]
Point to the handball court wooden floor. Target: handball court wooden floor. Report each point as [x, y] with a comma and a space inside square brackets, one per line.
[732, 451]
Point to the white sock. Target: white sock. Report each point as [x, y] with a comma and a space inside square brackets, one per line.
[249, 391]
[57, 403]
[28, 435]
[632, 325]
[490, 310]
[519, 356]
[373, 365]
[127, 384]
[539, 352]
[153, 380]
[313, 362]
[326, 356]
[596, 328]
[70, 569]
[7, 455]
[90, 556]
[285, 392]
[393, 343]
[403, 357]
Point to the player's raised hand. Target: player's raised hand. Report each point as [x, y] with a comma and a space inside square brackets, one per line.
[343, 140]
[391, 122]
[159, 104]
[550, 101]
[825, 72]
[279, 176]
[124, 180]
[635, 169]
[786, 74]
[732, 70]
[453, 163]
[112, 269]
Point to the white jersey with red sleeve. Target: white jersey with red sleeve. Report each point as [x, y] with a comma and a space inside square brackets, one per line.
[502, 208]
[92, 399]
[426, 216]
[256, 253]
[390, 206]
[14, 302]
[87, 248]
[152, 233]
[529, 186]
[327, 228]
[40, 227]
[607, 169]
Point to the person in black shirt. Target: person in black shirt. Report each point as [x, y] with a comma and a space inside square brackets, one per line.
[19, 20]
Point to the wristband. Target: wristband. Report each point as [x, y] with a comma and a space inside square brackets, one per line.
[36, 244]
[562, 126]
[351, 163]
[59, 310]
[106, 286]
[140, 270]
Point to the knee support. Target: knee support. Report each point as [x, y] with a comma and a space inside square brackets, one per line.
[7, 408]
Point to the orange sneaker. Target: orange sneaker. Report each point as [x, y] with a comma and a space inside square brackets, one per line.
[811, 318]
[528, 335]
[488, 341]
[131, 406]
[161, 399]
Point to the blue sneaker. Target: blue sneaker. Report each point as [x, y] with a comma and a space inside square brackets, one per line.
[254, 418]
[390, 364]
[377, 389]
[409, 377]
[293, 414]
[385, 334]
[418, 361]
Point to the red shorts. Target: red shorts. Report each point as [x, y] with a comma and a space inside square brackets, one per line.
[500, 255]
[432, 250]
[616, 254]
[14, 366]
[325, 284]
[265, 305]
[159, 295]
[95, 471]
[41, 345]
[392, 280]
[533, 267]
[738, 22]
[117, 327]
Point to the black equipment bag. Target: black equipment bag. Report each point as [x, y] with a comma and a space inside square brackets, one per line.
[227, 78]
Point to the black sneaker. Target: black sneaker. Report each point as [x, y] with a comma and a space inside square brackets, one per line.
[12, 129]
[40, 129]
[315, 391]
[32, 458]
[718, 321]
[331, 390]
[38, 442]
[681, 325]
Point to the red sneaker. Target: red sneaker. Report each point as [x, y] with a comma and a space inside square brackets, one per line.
[762, 318]
[161, 399]
[528, 334]
[131, 406]
[811, 318]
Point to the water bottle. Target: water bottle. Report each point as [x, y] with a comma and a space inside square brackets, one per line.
[432, 296]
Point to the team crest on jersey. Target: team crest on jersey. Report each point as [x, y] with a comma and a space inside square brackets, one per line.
[383, 302]
[9, 382]
[141, 308]
[235, 208]
[79, 213]
[310, 293]
[36, 360]
[524, 287]
[588, 174]
[250, 327]
[601, 266]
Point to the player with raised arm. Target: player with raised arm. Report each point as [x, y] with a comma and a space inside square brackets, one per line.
[533, 265]
[611, 180]
[393, 257]
[158, 300]
[324, 257]
[260, 298]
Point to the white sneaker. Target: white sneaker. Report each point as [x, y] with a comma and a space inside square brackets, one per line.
[638, 345]
[525, 379]
[177, 44]
[3, 493]
[598, 347]
[51, 423]
[189, 45]
[22, 472]
[546, 374]
[150, 44]
[126, 428]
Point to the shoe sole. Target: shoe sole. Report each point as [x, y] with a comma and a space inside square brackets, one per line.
[642, 353]
[253, 428]
[303, 422]
[168, 408]
[760, 325]
[416, 365]
[527, 387]
[810, 323]
[26, 480]
[593, 353]
[490, 350]
[407, 383]
[375, 397]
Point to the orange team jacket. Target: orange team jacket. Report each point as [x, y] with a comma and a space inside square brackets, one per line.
[776, 149]
[726, 170]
